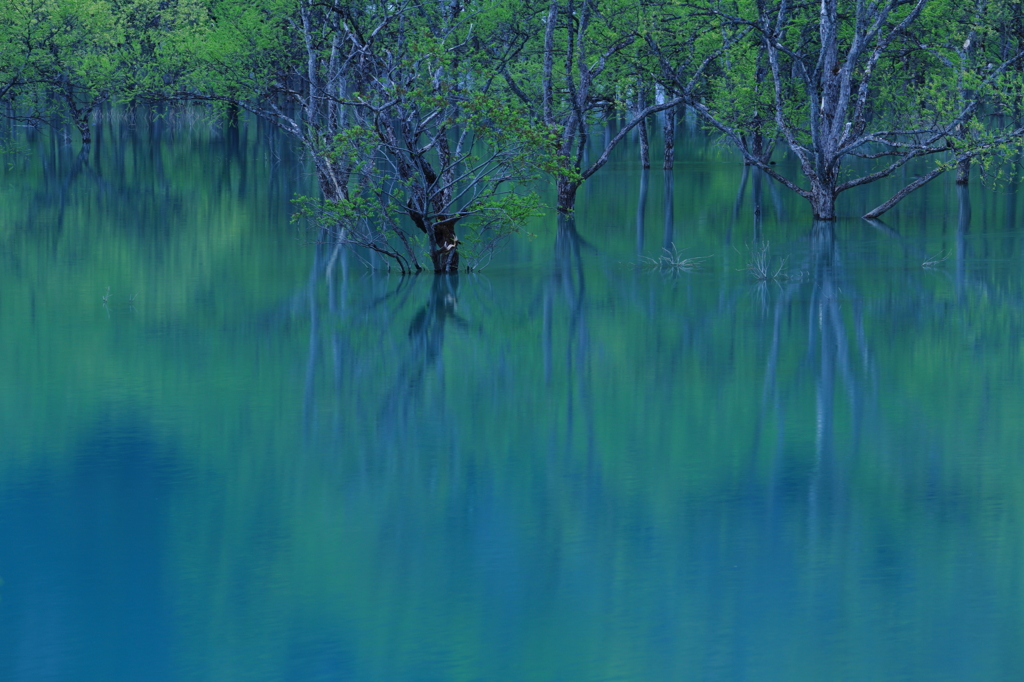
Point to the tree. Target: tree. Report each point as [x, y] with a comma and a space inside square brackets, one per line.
[967, 41]
[393, 105]
[847, 79]
[431, 141]
[586, 64]
[60, 60]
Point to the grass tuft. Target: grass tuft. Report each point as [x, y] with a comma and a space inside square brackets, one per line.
[673, 259]
[760, 265]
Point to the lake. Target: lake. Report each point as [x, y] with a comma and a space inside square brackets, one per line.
[258, 460]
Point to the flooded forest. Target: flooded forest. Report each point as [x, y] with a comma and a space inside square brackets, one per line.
[570, 340]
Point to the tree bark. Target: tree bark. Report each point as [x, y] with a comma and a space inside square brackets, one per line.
[896, 198]
[670, 139]
[84, 129]
[823, 201]
[963, 172]
[566, 195]
[444, 246]
[645, 145]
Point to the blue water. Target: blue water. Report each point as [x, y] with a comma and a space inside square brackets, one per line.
[273, 464]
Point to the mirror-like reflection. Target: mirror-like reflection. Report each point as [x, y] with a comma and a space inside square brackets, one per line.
[669, 233]
[273, 464]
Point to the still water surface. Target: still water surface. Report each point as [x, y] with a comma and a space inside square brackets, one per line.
[261, 462]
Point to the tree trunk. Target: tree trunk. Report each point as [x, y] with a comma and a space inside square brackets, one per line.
[670, 138]
[332, 176]
[84, 130]
[823, 201]
[645, 145]
[566, 195]
[963, 172]
[444, 246]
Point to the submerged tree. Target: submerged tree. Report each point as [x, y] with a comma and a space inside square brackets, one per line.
[427, 115]
[588, 63]
[431, 156]
[393, 105]
[846, 80]
[60, 60]
[431, 145]
[977, 85]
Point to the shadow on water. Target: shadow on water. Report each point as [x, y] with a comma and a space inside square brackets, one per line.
[414, 394]
[827, 337]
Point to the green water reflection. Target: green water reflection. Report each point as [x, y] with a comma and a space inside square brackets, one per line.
[273, 465]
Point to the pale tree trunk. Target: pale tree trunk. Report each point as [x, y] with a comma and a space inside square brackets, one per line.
[549, 63]
[645, 142]
[837, 101]
[80, 116]
[823, 200]
[580, 71]
[670, 139]
[762, 147]
[330, 185]
[898, 197]
[645, 145]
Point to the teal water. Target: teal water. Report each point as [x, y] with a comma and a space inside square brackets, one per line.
[260, 461]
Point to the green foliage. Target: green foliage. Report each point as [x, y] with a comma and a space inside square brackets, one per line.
[949, 83]
[458, 155]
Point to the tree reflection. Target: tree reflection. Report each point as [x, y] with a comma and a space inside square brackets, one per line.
[426, 331]
[756, 179]
[669, 236]
[641, 210]
[963, 225]
[830, 356]
[567, 282]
